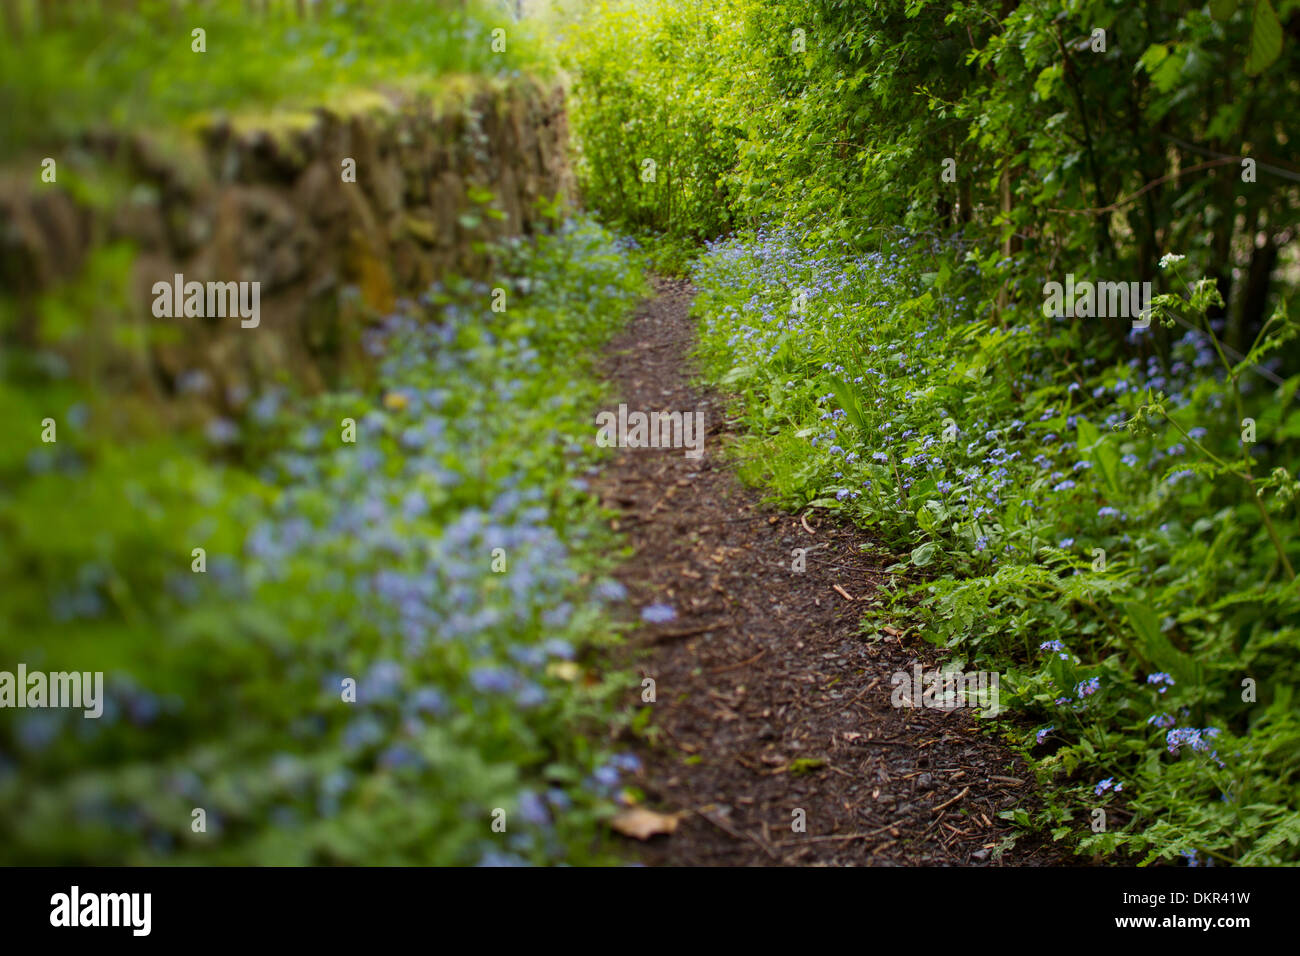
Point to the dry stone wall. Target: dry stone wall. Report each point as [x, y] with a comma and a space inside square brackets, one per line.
[269, 201]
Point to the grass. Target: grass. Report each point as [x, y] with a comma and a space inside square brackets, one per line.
[129, 68]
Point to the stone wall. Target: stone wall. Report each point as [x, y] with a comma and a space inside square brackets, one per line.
[264, 199]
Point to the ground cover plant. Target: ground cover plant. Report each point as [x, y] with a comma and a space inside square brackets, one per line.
[1009, 290]
[379, 561]
[1092, 524]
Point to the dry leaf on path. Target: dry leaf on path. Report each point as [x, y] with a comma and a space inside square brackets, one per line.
[642, 823]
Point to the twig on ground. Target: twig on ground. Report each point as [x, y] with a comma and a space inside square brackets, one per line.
[729, 667]
[836, 837]
[948, 803]
[736, 834]
[667, 636]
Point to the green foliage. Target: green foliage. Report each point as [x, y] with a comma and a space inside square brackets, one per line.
[70, 67]
[1092, 526]
[648, 109]
[1026, 130]
[476, 688]
[906, 179]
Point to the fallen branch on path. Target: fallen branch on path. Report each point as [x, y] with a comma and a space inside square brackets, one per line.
[849, 703]
[936, 822]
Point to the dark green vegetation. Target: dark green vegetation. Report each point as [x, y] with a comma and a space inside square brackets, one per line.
[1105, 513]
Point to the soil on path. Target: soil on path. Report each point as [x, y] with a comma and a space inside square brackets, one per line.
[771, 705]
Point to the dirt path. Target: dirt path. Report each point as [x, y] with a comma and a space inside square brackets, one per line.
[768, 699]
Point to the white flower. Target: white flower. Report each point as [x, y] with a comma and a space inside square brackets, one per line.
[1169, 259]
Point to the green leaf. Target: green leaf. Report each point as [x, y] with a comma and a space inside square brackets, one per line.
[1265, 39]
[849, 402]
[1223, 9]
[828, 503]
[926, 519]
[1046, 81]
[805, 765]
[1164, 66]
[737, 374]
[924, 554]
[1154, 56]
[1288, 831]
[1100, 452]
[1154, 646]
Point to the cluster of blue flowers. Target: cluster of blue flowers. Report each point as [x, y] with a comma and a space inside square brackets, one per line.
[1011, 475]
[392, 626]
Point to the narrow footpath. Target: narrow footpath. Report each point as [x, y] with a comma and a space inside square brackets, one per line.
[771, 707]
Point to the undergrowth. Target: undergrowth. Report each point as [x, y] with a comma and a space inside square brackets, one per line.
[1114, 534]
[448, 563]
